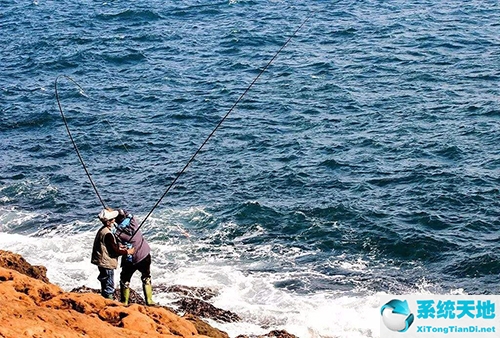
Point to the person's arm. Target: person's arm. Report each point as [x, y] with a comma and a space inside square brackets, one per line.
[110, 242]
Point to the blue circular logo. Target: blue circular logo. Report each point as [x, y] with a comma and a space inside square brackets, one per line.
[396, 315]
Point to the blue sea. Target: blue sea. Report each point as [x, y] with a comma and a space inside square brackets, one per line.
[364, 161]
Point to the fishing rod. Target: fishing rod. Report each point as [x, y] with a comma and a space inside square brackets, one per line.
[71, 137]
[218, 125]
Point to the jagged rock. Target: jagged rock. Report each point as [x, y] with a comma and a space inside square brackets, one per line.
[17, 262]
[204, 328]
[34, 308]
[272, 334]
[189, 291]
[203, 309]
[195, 302]
[135, 297]
[37, 308]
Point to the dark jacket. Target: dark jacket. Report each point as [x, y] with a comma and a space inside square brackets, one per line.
[141, 246]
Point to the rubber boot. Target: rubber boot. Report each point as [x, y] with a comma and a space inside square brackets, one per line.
[148, 291]
[124, 292]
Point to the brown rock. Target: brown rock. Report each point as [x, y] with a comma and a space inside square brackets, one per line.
[203, 309]
[204, 328]
[189, 291]
[17, 262]
[33, 308]
[135, 297]
[272, 334]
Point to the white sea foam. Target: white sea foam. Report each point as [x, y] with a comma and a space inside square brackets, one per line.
[245, 286]
[253, 296]
[263, 307]
[12, 217]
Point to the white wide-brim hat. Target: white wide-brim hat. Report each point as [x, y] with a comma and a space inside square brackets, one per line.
[106, 215]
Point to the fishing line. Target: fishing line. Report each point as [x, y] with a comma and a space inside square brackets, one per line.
[82, 92]
[127, 150]
[218, 125]
[71, 137]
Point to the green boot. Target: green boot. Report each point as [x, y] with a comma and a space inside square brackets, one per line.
[148, 291]
[124, 292]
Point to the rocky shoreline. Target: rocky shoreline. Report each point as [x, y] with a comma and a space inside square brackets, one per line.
[33, 307]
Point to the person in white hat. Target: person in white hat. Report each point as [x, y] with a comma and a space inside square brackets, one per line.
[106, 251]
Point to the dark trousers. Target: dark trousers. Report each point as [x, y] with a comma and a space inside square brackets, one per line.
[106, 277]
[128, 269]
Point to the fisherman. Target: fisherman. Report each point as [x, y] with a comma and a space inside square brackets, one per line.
[128, 233]
[106, 251]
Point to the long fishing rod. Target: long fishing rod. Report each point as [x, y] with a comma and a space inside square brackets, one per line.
[217, 126]
[71, 137]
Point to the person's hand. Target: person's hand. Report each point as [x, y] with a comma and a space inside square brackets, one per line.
[130, 251]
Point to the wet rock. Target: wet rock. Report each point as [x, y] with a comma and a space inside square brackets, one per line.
[189, 291]
[34, 308]
[84, 289]
[272, 334]
[204, 328]
[203, 309]
[194, 301]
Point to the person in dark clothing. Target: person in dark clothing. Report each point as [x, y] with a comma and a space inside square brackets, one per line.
[127, 233]
[105, 252]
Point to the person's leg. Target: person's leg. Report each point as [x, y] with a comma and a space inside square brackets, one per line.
[106, 277]
[128, 270]
[144, 267]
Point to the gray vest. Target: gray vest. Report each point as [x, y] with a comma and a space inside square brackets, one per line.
[101, 255]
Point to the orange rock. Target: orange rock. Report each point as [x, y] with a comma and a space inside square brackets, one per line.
[17, 262]
[34, 308]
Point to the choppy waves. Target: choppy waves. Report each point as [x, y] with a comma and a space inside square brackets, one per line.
[364, 160]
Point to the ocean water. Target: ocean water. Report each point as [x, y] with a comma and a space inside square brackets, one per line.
[364, 161]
